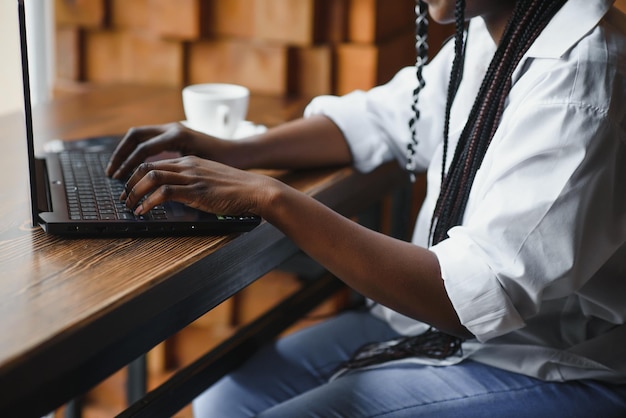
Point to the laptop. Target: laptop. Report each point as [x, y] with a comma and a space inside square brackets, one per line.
[71, 196]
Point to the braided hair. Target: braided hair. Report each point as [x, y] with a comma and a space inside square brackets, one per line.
[528, 19]
[421, 47]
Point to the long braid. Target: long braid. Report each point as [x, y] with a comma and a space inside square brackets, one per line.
[528, 20]
[455, 75]
[421, 49]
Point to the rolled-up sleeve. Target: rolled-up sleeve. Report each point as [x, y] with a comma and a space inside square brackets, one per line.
[483, 306]
[375, 122]
[349, 113]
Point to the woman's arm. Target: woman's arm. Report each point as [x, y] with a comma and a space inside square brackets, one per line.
[303, 143]
[394, 273]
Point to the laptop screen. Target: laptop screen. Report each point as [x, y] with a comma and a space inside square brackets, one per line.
[28, 113]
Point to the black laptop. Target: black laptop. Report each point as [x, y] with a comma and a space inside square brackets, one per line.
[71, 196]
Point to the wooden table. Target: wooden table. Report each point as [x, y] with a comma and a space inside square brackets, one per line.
[73, 311]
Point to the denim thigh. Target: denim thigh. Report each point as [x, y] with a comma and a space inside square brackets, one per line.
[290, 378]
[292, 365]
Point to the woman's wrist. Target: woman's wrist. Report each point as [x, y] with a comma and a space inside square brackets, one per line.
[234, 153]
[272, 199]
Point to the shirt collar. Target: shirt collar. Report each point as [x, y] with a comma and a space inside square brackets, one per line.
[572, 22]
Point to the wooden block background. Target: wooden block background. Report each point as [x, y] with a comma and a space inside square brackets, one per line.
[285, 21]
[130, 57]
[311, 70]
[260, 66]
[180, 19]
[84, 13]
[276, 47]
[362, 65]
[68, 46]
[234, 18]
[370, 21]
[133, 14]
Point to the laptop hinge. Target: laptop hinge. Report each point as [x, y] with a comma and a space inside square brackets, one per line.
[44, 200]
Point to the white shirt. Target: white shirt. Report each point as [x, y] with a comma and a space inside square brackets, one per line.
[537, 270]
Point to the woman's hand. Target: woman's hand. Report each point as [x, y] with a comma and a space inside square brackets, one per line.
[302, 143]
[202, 184]
[141, 143]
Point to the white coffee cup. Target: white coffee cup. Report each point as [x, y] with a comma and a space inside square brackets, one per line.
[215, 108]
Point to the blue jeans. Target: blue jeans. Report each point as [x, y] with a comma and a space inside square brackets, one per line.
[290, 379]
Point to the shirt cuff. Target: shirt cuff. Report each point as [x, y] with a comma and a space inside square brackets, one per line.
[347, 112]
[479, 299]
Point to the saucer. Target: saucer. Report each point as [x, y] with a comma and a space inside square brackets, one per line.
[246, 128]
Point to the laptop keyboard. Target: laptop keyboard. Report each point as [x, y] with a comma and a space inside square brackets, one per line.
[91, 195]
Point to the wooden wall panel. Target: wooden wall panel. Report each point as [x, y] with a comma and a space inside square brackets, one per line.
[371, 21]
[285, 21]
[230, 18]
[153, 60]
[332, 21]
[130, 14]
[129, 57]
[311, 71]
[103, 57]
[83, 13]
[303, 47]
[68, 51]
[259, 66]
[361, 66]
[180, 19]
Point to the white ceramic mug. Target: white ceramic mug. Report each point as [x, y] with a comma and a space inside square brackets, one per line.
[215, 108]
